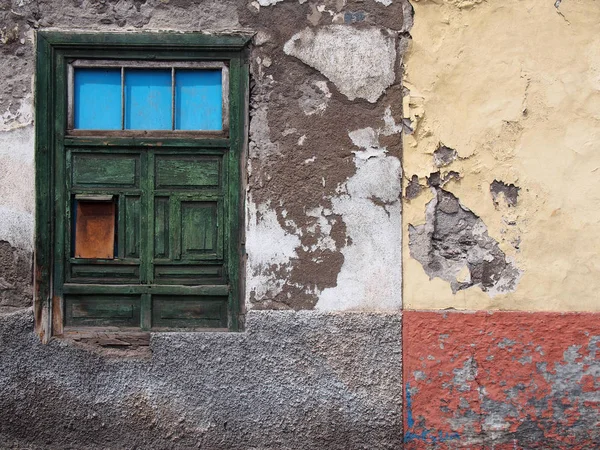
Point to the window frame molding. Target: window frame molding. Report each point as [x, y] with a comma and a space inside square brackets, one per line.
[54, 50]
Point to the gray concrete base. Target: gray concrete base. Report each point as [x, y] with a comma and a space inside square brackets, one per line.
[292, 380]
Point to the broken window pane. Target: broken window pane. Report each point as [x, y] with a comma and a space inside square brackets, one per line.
[95, 222]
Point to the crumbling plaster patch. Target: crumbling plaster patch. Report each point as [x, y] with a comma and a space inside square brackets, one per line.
[270, 251]
[308, 164]
[518, 107]
[454, 245]
[369, 203]
[360, 62]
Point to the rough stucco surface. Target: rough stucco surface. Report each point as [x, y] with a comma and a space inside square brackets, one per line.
[501, 380]
[302, 380]
[511, 90]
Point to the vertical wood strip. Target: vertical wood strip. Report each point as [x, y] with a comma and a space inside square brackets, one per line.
[175, 226]
[61, 189]
[146, 312]
[43, 185]
[238, 87]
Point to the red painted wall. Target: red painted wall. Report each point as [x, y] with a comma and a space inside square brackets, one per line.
[502, 380]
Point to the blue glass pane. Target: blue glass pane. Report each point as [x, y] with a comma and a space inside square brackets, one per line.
[97, 102]
[198, 100]
[148, 100]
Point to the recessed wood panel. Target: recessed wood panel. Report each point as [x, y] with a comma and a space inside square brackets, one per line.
[198, 229]
[104, 170]
[189, 274]
[187, 172]
[132, 226]
[104, 273]
[95, 229]
[189, 312]
[102, 310]
[161, 227]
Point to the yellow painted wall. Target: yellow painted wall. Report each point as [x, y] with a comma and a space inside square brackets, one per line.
[514, 87]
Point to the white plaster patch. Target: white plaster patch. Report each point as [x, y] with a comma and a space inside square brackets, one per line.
[364, 138]
[321, 229]
[384, 2]
[18, 144]
[16, 228]
[270, 249]
[371, 277]
[268, 2]
[315, 98]
[369, 203]
[360, 62]
[23, 116]
[17, 186]
[390, 124]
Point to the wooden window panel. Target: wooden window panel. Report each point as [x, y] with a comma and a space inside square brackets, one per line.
[115, 263]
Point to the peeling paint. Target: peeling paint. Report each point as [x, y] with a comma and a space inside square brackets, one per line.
[364, 63]
[369, 203]
[503, 380]
[444, 156]
[270, 250]
[507, 104]
[509, 192]
[454, 245]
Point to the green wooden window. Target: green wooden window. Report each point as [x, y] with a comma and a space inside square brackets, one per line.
[138, 153]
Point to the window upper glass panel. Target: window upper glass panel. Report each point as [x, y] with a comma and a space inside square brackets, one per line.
[153, 98]
[198, 100]
[97, 99]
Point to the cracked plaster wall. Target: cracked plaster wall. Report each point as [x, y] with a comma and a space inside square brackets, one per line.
[503, 111]
[319, 72]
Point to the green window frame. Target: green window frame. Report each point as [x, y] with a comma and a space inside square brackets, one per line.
[176, 196]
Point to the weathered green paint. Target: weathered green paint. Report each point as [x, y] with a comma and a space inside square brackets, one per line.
[199, 230]
[95, 273]
[178, 199]
[187, 172]
[112, 289]
[104, 170]
[132, 227]
[161, 227]
[102, 310]
[189, 274]
[195, 312]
